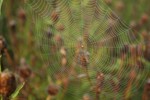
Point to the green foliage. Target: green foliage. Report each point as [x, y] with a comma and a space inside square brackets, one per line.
[17, 91]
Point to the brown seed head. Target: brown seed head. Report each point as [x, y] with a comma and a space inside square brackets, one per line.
[120, 5]
[53, 90]
[145, 35]
[63, 61]
[7, 83]
[58, 40]
[99, 82]
[22, 14]
[108, 2]
[63, 51]
[25, 72]
[144, 19]
[132, 74]
[60, 27]
[54, 16]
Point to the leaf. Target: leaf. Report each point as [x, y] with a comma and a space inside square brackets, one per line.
[15, 94]
[1, 1]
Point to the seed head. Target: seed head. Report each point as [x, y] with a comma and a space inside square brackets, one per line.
[22, 14]
[24, 72]
[63, 61]
[120, 5]
[63, 51]
[144, 19]
[58, 39]
[108, 2]
[82, 58]
[7, 83]
[53, 90]
[60, 27]
[54, 16]
[99, 82]
[145, 35]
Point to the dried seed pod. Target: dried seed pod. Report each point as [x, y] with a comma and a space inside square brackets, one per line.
[58, 39]
[134, 25]
[7, 83]
[60, 27]
[145, 35]
[22, 15]
[63, 61]
[63, 51]
[144, 19]
[120, 5]
[24, 72]
[82, 58]
[99, 82]
[132, 74]
[108, 2]
[54, 16]
[53, 90]
[83, 61]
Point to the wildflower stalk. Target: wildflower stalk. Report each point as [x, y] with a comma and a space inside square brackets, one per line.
[85, 39]
[1, 98]
[88, 76]
[1, 1]
[0, 63]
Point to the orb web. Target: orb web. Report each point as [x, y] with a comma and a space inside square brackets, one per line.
[80, 39]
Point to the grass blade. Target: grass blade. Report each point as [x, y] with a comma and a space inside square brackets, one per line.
[15, 94]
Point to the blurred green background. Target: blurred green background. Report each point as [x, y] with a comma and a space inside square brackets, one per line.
[23, 41]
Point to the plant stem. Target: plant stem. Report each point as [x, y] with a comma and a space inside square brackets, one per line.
[1, 1]
[0, 63]
[88, 76]
[1, 98]
[97, 96]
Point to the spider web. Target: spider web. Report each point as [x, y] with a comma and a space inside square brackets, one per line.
[111, 46]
